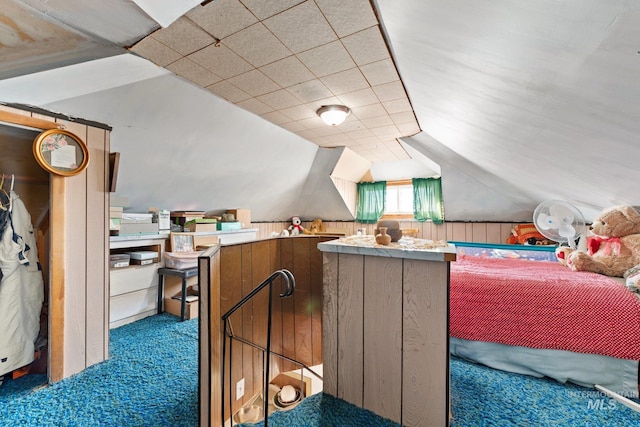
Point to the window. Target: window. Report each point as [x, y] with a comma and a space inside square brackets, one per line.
[399, 200]
[419, 199]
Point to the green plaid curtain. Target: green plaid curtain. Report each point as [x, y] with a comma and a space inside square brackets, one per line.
[371, 201]
[427, 200]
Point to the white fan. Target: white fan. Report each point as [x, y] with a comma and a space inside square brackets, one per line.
[559, 221]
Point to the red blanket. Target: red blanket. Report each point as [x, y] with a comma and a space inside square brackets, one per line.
[542, 304]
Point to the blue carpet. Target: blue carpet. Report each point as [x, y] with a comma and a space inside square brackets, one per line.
[151, 380]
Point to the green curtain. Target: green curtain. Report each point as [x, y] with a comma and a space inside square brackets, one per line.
[371, 201]
[427, 200]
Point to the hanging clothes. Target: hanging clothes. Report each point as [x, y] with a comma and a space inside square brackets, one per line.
[21, 288]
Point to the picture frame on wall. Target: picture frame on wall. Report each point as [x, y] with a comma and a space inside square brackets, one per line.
[60, 152]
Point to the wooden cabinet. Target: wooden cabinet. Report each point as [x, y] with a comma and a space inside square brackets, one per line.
[133, 290]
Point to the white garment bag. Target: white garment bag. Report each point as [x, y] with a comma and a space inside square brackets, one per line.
[21, 289]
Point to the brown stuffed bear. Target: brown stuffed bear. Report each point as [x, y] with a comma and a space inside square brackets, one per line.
[317, 226]
[616, 245]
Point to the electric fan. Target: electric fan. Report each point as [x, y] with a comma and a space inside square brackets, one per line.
[559, 221]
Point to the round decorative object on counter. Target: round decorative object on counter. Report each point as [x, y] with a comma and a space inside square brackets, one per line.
[393, 229]
[383, 238]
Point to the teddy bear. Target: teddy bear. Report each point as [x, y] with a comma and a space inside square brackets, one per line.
[614, 246]
[296, 226]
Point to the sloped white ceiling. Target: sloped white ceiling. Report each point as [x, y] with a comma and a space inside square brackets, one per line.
[518, 102]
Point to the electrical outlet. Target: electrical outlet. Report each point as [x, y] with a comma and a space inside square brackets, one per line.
[240, 389]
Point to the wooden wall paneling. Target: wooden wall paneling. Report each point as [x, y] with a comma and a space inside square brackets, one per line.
[230, 294]
[505, 230]
[97, 297]
[315, 302]
[425, 340]
[248, 352]
[439, 231]
[260, 270]
[276, 319]
[57, 256]
[75, 201]
[382, 340]
[288, 306]
[478, 232]
[302, 299]
[494, 233]
[458, 231]
[330, 323]
[350, 312]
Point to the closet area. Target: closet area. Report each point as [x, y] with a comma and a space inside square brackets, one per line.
[54, 247]
[24, 224]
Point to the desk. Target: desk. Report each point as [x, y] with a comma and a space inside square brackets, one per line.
[184, 274]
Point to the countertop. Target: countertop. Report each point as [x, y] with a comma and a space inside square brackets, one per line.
[407, 247]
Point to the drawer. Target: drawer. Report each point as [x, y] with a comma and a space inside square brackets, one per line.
[132, 303]
[133, 278]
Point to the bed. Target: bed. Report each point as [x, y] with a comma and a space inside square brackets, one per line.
[517, 309]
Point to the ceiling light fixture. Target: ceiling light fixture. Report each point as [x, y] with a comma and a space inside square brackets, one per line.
[333, 115]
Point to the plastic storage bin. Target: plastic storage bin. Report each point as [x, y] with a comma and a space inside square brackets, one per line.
[181, 260]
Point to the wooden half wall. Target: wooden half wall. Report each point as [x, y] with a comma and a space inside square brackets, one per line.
[78, 275]
[233, 272]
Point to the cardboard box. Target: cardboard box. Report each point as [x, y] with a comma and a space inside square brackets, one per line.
[235, 225]
[173, 305]
[292, 378]
[200, 225]
[243, 216]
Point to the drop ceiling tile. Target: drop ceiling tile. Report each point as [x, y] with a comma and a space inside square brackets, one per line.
[302, 27]
[299, 112]
[367, 111]
[367, 46]
[397, 106]
[287, 72]
[228, 91]
[360, 133]
[264, 9]
[184, 36]
[380, 72]
[345, 81]
[293, 127]
[257, 45]
[308, 134]
[191, 71]
[255, 106]
[222, 18]
[276, 117]
[328, 130]
[254, 83]
[348, 17]
[408, 129]
[405, 117]
[221, 61]
[351, 125]
[376, 122]
[310, 91]
[385, 132]
[313, 122]
[327, 59]
[390, 91]
[155, 51]
[279, 99]
[359, 98]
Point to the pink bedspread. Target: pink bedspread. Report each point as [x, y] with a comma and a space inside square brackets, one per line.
[542, 304]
